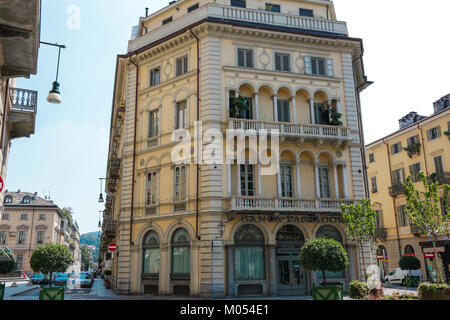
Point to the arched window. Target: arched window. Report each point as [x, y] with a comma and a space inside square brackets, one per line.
[409, 251]
[8, 199]
[290, 234]
[330, 232]
[181, 257]
[151, 253]
[249, 253]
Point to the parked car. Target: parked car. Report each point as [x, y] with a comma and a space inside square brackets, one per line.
[61, 279]
[82, 280]
[38, 278]
[398, 275]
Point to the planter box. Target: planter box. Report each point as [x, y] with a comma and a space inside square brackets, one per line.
[412, 281]
[329, 292]
[375, 294]
[51, 294]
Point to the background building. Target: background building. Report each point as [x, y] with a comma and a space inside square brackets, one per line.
[227, 229]
[29, 221]
[426, 140]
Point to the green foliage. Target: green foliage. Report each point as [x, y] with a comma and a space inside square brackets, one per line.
[432, 291]
[359, 220]
[49, 258]
[237, 107]
[389, 298]
[358, 290]
[107, 272]
[323, 255]
[409, 263]
[68, 214]
[412, 149]
[330, 115]
[92, 239]
[87, 261]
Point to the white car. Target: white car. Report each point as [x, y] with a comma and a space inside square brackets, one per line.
[398, 275]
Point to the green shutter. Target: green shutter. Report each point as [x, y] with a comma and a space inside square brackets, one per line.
[438, 131]
[308, 67]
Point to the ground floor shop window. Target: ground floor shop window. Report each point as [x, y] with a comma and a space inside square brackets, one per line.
[181, 257]
[151, 254]
[249, 253]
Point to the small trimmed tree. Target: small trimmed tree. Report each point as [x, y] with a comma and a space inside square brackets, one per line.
[323, 254]
[360, 220]
[425, 212]
[50, 258]
[409, 263]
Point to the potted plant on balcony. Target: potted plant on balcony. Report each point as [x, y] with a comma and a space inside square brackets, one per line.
[410, 263]
[447, 133]
[47, 259]
[412, 149]
[323, 254]
[238, 106]
[330, 115]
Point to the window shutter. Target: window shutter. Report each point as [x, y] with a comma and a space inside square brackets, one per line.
[277, 62]
[240, 58]
[286, 64]
[250, 59]
[185, 60]
[330, 68]
[394, 178]
[179, 66]
[308, 67]
[429, 135]
[438, 131]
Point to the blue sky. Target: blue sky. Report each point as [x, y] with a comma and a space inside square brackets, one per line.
[406, 54]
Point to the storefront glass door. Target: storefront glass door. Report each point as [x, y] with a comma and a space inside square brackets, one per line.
[291, 277]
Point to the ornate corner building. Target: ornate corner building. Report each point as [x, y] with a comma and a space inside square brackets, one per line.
[215, 230]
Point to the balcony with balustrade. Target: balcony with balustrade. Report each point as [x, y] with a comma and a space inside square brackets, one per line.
[109, 228]
[247, 17]
[22, 113]
[114, 167]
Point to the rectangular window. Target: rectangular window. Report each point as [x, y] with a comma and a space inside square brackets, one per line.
[153, 124]
[238, 3]
[398, 177]
[320, 114]
[155, 76]
[19, 261]
[371, 157]
[402, 216]
[283, 110]
[182, 65]
[42, 217]
[23, 216]
[396, 148]
[374, 184]
[324, 183]
[273, 7]
[151, 189]
[306, 13]
[3, 237]
[414, 171]
[318, 66]
[282, 62]
[434, 133]
[192, 8]
[412, 140]
[247, 180]
[245, 58]
[438, 165]
[379, 220]
[168, 20]
[21, 237]
[40, 237]
[287, 185]
[180, 183]
[181, 114]
[5, 216]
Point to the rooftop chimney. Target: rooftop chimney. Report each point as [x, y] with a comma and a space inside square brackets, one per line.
[18, 191]
[146, 12]
[410, 118]
[442, 103]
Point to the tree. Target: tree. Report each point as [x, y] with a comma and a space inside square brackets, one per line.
[409, 263]
[323, 254]
[50, 258]
[237, 107]
[68, 212]
[425, 212]
[360, 222]
[86, 257]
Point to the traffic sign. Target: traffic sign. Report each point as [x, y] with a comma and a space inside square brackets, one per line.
[428, 255]
[1, 184]
[112, 247]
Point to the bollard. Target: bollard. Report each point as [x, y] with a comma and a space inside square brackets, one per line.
[14, 285]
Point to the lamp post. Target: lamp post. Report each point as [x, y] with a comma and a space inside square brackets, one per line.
[220, 230]
[100, 199]
[54, 96]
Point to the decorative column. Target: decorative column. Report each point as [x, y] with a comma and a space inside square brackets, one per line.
[338, 105]
[316, 169]
[238, 179]
[259, 181]
[228, 179]
[275, 108]
[272, 287]
[344, 179]
[256, 103]
[311, 111]
[279, 180]
[336, 184]
[294, 109]
[227, 102]
[299, 185]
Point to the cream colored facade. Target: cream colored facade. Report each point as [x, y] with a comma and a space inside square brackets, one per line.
[323, 164]
[29, 221]
[386, 158]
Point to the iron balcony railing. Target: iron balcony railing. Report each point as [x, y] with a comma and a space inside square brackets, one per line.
[396, 190]
[381, 233]
[23, 99]
[441, 177]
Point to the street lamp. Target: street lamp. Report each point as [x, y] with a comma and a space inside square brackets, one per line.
[54, 96]
[100, 199]
[220, 229]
